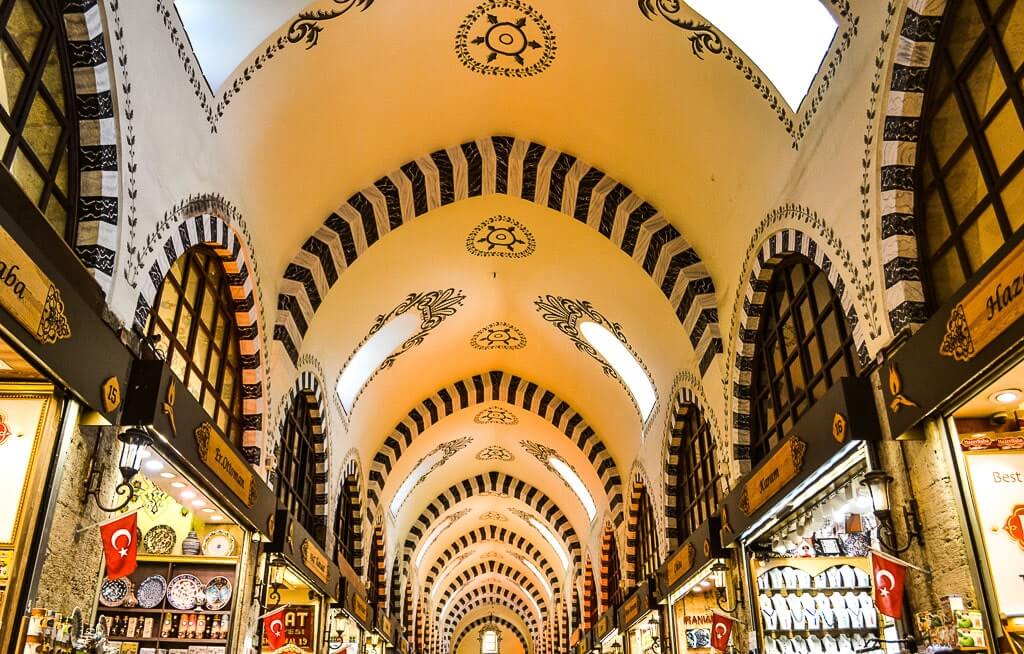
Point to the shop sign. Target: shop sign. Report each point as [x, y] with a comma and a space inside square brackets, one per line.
[985, 313]
[604, 624]
[769, 479]
[225, 463]
[997, 485]
[680, 563]
[111, 394]
[360, 609]
[314, 560]
[299, 627]
[29, 295]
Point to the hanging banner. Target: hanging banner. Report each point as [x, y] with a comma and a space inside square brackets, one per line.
[294, 625]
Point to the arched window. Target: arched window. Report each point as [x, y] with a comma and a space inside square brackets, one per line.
[38, 128]
[696, 487]
[345, 516]
[375, 568]
[611, 580]
[194, 316]
[646, 539]
[804, 346]
[296, 465]
[971, 152]
[489, 640]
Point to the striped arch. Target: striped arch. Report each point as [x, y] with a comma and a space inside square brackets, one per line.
[492, 482]
[378, 580]
[684, 399]
[589, 594]
[209, 228]
[908, 81]
[351, 485]
[461, 631]
[508, 166]
[99, 138]
[310, 387]
[476, 571]
[636, 489]
[609, 554]
[491, 533]
[772, 250]
[495, 386]
[472, 597]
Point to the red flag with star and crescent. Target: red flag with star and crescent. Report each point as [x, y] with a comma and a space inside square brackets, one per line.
[120, 545]
[889, 576]
[273, 629]
[721, 630]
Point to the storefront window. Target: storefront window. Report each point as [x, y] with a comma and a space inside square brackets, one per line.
[804, 346]
[194, 317]
[696, 487]
[646, 539]
[296, 465]
[302, 608]
[343, 633]
[38, 130]
[970, 191]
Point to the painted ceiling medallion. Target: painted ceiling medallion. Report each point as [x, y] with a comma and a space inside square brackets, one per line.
[501, 236]
[496, 415]
[493, 516]
[507, 38]
[499, 336]
[495, 453]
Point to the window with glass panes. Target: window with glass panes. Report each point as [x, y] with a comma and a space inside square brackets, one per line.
[38, 128]
[804, 345]
[696, 488]
[646, 539]
[194, 316]
[970, 196]
[344, 534]
[296, 465]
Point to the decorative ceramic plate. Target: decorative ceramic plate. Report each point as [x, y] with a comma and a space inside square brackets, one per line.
[151, 591]
[159, 540]
[698, 638]
[183, 592]
[114, 591]
[218, 593]
[219, 542]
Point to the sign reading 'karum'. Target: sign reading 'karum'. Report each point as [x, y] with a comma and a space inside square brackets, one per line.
[29, 295]
[773, 476]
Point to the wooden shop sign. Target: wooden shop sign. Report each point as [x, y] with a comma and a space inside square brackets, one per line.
[361, 609]
[987, 310]
[680, 563]
[772, 477]
[219, 456]
[605, 623]
[314, 560]
[29, 295]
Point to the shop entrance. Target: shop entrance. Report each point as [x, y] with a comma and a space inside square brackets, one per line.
[302, 607]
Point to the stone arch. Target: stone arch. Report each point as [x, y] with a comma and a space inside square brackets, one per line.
[208, 227]
[351, 485]
[492, 482]
[467, 576]
[461, 631]
[496, 386]
[377, 578]
[308, 386]
[610, 552]
[636, 489]
[99, 138]
[508, 166]
[772, 250]
[489, 592]
[908, 82]
[589, 594]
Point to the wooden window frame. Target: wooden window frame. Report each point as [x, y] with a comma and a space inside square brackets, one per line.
[296, 466]
[647, 559]
[696, 490]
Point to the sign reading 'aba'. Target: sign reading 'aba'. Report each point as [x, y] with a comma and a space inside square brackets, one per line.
[29, 295]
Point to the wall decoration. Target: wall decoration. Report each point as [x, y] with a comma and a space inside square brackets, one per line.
[434, 308]
[496, 415]
[499, 336]
[493, 516]
[508, 38]
[566, 315]
[501, 236]
[705, 39]
[494, 453]
[306, 27]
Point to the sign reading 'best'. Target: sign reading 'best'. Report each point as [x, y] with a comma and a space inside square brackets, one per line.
[29, 295]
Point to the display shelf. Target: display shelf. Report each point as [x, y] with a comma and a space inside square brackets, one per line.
[812, 591]
[814, 632]
[188, 560]
[105, 609]
[194, 641]
[812, 564]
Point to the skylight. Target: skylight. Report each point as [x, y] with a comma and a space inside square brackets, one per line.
[533, 602]
[224, 32]
[622, 360]
[575, 483]
[413, 478]
[550, 538]
[787, 40]
[536, 571]
[428, 542]
[372, 353]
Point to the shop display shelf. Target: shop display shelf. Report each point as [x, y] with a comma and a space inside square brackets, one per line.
[104, 609]
[830, 630]
[189, 560]
[768, 592]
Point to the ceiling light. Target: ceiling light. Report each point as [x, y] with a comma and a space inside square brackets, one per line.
[533, 568]
[1006, 396]
[198, 503]
[552, 541]
[371, 354]
[575, 483]
[208, 510]
[625, 364]
[217, 517]
[5, 366]
[154, 464]
[168, 475]
[188, 494]
[178, 484]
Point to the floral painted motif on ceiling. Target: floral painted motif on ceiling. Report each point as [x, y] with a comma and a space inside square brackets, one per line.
[508, 38]
[496, 415]
[499, 336]
[501, 236]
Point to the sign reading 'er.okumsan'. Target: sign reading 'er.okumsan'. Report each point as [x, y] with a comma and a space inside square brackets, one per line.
[985, 312]
[29, 295]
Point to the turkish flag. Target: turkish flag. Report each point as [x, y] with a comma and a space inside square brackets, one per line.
[889, 575]
[273, 629]
[120, 545]
[721, 630]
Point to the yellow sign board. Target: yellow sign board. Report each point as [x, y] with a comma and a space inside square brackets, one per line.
[314, 560]
[29, 295]
[361, 609]
[773, 476]
[631, 610]
[680, 563]
[985, 312]
[219, 457]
